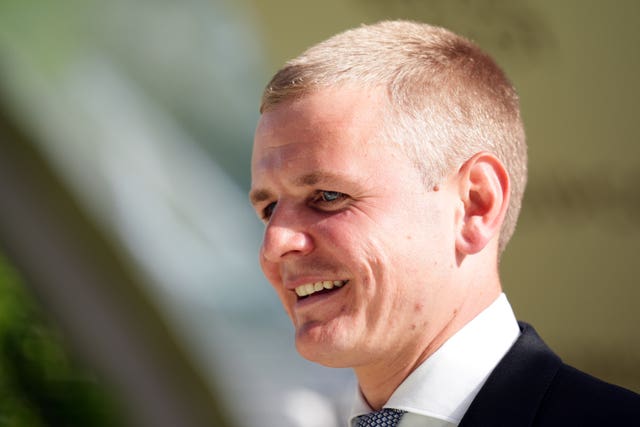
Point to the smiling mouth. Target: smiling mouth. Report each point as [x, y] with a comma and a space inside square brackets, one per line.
[308, 289]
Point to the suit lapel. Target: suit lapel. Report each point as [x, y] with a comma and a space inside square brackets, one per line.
[513, 392]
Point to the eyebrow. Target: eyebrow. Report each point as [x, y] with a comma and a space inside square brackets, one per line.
[307, 180]
[314, 178]
[258, 196]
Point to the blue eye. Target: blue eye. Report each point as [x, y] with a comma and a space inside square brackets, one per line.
[268, 210]
[330, 196]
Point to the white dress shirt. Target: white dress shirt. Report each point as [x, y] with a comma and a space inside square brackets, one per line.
[445, 384]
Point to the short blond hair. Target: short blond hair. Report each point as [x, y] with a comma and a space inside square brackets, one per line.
[448, 100]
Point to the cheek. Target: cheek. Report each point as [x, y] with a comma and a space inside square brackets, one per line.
[286, 297]
[272, 274]
[269, 269]
[347, 230]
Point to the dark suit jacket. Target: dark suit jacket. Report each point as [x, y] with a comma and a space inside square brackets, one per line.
[531, 386]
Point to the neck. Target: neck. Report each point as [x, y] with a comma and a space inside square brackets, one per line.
[379, 380]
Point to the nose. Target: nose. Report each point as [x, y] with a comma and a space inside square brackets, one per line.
[286, 235]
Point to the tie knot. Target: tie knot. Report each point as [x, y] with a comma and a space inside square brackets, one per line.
[386, 417]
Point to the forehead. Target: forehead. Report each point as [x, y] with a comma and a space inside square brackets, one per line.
[331, 125]
[344, 110]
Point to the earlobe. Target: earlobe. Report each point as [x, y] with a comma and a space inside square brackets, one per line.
[484, 191]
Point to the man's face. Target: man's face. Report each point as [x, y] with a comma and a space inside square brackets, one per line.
[358, 250]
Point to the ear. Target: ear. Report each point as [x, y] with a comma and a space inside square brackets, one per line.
[483, 184]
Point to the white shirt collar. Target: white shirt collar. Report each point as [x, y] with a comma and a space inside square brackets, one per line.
[445, 384]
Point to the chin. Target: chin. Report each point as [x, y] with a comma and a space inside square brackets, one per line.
[325, 352]
[328, 359]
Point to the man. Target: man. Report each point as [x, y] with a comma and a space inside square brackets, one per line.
[389, 166]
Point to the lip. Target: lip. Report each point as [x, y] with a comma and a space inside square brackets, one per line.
[318, 298]
[292, 284]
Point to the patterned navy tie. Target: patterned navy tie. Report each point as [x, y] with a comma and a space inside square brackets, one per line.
[386, 417]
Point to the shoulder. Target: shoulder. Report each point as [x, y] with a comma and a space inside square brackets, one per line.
[577, 398]
[532, 386]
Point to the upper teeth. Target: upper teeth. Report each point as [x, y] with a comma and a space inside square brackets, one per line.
[310, 288]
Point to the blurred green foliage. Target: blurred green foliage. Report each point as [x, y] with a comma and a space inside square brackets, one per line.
[41, 384]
